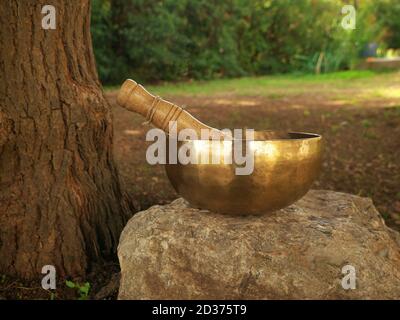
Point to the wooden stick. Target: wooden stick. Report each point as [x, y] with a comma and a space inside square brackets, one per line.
[157, 111]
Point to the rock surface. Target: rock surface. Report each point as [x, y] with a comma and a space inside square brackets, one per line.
[176, 252]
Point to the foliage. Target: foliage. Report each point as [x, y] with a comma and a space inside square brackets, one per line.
[157, 40]
[82, 289]
[102, 34]
[388, 13]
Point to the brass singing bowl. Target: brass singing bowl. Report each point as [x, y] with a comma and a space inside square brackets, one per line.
[285, 166]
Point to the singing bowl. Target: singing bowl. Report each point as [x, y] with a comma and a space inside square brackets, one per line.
[285, 166]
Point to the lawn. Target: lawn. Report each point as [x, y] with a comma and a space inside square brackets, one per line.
[360, 83]
[357, 112]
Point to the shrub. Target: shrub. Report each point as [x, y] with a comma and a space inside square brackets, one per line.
[154, 40]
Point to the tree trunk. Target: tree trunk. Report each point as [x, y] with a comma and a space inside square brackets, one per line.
[60, 198]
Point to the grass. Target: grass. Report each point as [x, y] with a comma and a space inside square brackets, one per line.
[368, 84]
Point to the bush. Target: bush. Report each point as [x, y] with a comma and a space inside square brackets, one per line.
[156, 40]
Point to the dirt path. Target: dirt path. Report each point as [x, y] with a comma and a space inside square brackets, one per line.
[362, 142]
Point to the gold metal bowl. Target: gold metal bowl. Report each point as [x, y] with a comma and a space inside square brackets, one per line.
[285, 166]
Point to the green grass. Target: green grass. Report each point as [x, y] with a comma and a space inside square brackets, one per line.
[367, 83]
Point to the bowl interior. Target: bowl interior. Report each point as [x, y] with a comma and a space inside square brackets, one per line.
[267, 135]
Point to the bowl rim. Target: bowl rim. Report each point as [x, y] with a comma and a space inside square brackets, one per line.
[306, 136]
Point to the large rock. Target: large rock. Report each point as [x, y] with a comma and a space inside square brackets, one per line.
[176, 252]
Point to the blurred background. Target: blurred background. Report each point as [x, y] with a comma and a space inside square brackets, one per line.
[173, 40]
[262, 64]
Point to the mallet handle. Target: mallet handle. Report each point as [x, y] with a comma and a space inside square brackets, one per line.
[159, 112]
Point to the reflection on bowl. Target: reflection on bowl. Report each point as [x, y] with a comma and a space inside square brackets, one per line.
[285, 165]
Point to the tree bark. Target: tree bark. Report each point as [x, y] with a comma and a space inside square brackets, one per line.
[60, 198]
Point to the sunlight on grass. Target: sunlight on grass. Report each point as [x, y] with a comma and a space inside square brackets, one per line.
[347, 86]
[266, 85]
[393, 93]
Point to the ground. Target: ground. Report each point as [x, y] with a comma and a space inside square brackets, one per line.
[358, 114]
